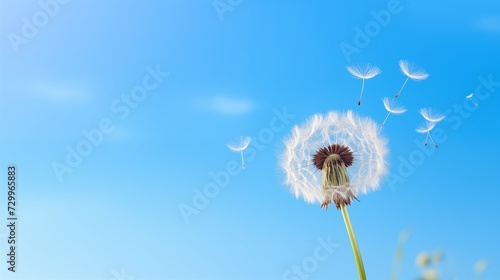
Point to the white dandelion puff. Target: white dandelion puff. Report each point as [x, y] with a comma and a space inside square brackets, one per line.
[469, 97]
[331, 159]
[392, 108]
[240, 146]
[363, 72]
[431, 115]
[358, 137]
[426, 129]
[411, 72]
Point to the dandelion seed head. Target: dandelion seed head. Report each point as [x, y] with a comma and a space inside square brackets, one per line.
[356, 141]
[344, 154]
[392, 107]
[412, 71]
[431, 115]
[423, 260]
[430, 274]
[364, 71]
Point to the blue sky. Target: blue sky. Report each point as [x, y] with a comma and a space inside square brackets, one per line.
[162, 86]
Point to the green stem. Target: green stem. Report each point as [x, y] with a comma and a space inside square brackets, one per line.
[398, 258]
[354, 243]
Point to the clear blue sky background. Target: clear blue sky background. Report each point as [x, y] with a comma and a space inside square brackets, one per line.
[117, 213]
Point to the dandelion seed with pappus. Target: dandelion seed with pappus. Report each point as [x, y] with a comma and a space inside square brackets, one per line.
[333, 158]
[431, 115]
[469, 97]
[426, 129]
[392, 108]
[240, 146]
[363, 72]
[411, 72]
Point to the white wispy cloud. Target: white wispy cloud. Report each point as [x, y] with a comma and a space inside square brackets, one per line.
[226, 105]
[58, 92]
[489, 24]
[120, 133]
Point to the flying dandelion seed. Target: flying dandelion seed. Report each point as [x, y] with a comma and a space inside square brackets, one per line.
[240, 146]
[331, 159]
[426, 128]
[392, 108]
[469, 97]
[363, 72]
[411, 72]
[431, 115]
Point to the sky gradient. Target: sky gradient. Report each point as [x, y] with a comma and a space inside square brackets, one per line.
[117, 115]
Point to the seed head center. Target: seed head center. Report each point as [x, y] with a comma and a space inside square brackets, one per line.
[333, 162]
[334, 153]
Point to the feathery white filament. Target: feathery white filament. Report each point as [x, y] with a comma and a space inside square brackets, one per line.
[392, 108]
[428, 126]
[361, 135]
[240, 146]
[411, 72]
[364, 72]
[431, 115]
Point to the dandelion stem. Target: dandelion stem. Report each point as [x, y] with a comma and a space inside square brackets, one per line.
[430, 137]
[401, 89]
[383, 123]
[354, 243]
[361, 94]
[242, 160]
[398, 257]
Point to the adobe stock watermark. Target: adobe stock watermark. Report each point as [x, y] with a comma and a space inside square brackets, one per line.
[120, 108]
[223, 6]
[456, 115]
[122, 275]
[304, 269]
[221, 179]
[364, 35]
[31, 26]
